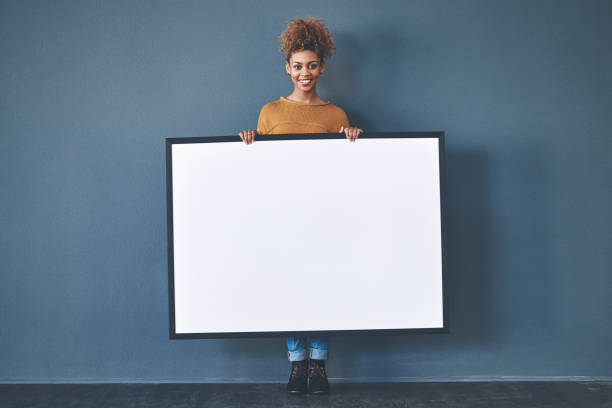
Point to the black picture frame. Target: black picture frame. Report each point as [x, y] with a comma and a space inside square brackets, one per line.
[440, 135]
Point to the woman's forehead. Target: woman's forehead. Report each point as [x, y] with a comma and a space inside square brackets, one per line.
[305, 56]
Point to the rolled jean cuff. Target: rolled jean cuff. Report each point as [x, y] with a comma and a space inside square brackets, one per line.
[318, 354]
[297, 355]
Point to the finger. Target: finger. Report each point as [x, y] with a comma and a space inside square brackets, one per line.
[241, 134]
[252, 136]
[341, 129]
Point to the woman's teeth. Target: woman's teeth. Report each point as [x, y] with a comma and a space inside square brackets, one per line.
[305, 81]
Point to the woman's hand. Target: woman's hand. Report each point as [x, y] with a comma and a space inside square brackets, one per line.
[352, 133]
[248, 136]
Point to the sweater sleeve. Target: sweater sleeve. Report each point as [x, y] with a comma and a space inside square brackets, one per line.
[344, 121]
[262, 122]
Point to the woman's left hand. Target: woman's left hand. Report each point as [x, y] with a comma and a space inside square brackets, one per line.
[352, 133]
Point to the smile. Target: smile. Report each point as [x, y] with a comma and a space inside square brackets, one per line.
[305, 81]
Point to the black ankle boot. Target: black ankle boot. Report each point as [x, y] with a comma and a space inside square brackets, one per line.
[317, 376]
[298, 378]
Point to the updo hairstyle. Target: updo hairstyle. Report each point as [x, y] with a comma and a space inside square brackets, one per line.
[307, 34]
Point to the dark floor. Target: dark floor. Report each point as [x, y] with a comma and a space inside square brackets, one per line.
[413, 394]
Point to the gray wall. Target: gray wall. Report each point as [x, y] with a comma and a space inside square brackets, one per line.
[89, 90]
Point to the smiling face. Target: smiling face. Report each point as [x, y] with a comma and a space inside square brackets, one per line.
[305, 67]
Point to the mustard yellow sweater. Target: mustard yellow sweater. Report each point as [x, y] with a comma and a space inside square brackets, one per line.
[285, 117]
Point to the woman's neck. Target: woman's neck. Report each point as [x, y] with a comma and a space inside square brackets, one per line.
[309, 98]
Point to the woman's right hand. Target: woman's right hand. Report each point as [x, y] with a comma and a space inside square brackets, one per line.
[248, 136]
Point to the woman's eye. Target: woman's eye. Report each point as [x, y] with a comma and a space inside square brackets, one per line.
[297, 67]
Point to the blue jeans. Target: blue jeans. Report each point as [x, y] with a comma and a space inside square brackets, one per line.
[319, 348]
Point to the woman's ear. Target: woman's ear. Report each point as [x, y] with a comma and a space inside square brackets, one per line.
[322, 66]
[287, 68]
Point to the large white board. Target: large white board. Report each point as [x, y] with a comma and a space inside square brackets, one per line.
[306, 235]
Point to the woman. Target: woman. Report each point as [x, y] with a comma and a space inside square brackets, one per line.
[306, 44]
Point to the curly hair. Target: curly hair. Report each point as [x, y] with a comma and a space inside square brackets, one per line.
[307, 34]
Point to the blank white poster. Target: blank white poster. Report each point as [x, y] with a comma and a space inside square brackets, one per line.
[307, 235]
